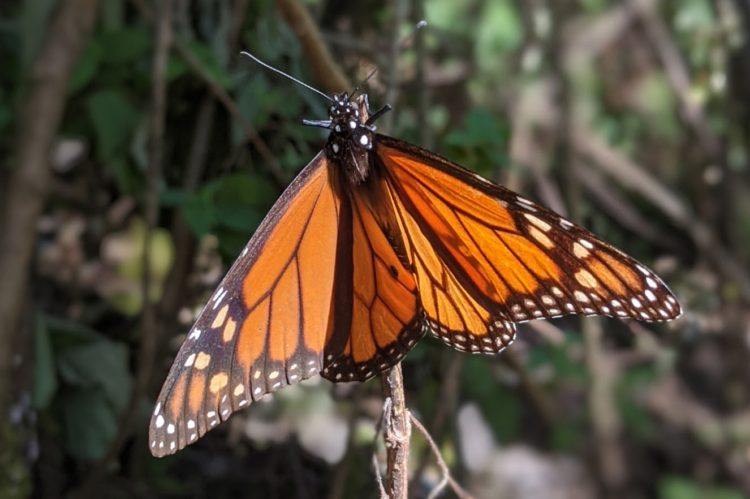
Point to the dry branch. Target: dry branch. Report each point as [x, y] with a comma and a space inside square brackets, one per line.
[396, 433]
[40, 115]
[327, 72]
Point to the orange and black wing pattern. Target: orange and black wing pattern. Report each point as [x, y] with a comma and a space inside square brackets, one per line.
[486, 258]
[265, 326]
[375, 317]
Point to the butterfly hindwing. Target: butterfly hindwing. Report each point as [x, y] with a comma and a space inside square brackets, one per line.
[265, 325]
[526, 259]
[454, 309]
[375, 317]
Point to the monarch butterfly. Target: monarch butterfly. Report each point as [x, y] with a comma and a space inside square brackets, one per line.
[375, 243]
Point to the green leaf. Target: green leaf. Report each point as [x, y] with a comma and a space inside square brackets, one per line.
[126, 46]
[86, 67]
[199, 214]
[5, 116]
[499, 404]
[66, 333]
[676, 487]
[210, 63]
[113, 118]
[101, 364]
[90, 423]
[480, 128]
[45, 375]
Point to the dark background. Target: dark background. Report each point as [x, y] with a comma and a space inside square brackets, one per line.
[139, 153]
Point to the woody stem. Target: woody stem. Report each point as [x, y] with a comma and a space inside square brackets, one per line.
[396, 434]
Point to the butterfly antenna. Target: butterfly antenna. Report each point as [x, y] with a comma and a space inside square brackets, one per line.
[408, 38]
[361, 84]
[278, 71]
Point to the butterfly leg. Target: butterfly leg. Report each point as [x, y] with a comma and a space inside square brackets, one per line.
[317, 123]
[377, 114]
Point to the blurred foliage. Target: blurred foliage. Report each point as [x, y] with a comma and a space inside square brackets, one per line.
[484, 58]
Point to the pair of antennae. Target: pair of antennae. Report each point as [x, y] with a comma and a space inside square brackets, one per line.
[421, 24]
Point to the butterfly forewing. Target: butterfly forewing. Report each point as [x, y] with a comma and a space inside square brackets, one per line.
[265, 325]
[527, 260]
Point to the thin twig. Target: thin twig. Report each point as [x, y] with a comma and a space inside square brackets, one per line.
[379, 477]
[374, 453]
[447, 395]
[447, 478]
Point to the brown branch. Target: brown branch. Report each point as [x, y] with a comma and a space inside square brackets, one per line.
[396, 433]
[326, 72]
[605, 419]
[27, 185]
[447, 478]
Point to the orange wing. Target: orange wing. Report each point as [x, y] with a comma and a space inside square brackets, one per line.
[374, 318]
[265, 326]
[503, 256]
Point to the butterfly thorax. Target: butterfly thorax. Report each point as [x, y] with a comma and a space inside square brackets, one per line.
[350, 140]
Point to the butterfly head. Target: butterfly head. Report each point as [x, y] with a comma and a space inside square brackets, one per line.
[351, 136]
[349, 129]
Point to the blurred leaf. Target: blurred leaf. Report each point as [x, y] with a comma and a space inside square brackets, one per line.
[210, 63]
[86, 67]
[125, 46]
[498, 33]
[694, 15]
[123, 251]
[448, 14]
[256, 101]
[100, 364]
[176, 67]
[113, 14]
[632, 385]
[6, 115]
[90, 423]
[498, 404]
[113, 119]
[231, 206]
[683, 488]
[65, 333]
[565, 367]
[45, 375]
[480, 128]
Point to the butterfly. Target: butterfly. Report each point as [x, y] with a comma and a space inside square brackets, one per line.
[374, 244]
